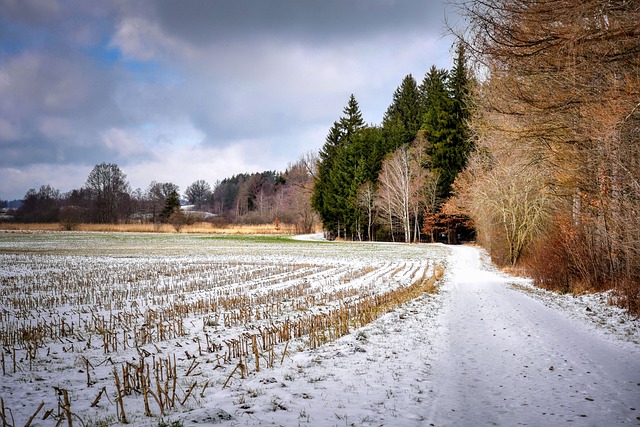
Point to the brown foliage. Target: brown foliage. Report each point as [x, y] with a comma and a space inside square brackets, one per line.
[562, 93]
[452, 228]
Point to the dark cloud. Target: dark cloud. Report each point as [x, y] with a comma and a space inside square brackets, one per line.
[315, 21]
[154, 85]
[30, 11]
[53, 107]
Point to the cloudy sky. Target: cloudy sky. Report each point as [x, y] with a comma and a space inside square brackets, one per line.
[185, 90]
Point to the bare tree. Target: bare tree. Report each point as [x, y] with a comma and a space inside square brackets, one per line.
[385, 201]
[109, 192]
[400, 184]
[198, 193]
[394, 183]
[157, 194]
[309, 161]
[561, 91]
[424, 182]
[293, 200]
[512, 196]
[366, 201]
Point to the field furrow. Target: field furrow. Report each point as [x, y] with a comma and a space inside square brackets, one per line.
[82, 315]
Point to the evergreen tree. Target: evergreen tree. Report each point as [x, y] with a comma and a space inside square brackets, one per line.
[322, 198]
[433, 89]
[437, 125]
[334, 196]
[351, 121]
[445, 97]
[171, 206]
[402, 119]
[156, 195]
[460, 87]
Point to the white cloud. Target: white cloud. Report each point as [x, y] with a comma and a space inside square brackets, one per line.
[140, 39]
[123, 143]
[184, 165]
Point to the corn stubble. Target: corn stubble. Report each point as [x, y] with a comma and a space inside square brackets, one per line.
[154, 325]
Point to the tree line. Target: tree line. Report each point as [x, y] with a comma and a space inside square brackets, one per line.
[390, 181]
[107, 197]
[367, 182]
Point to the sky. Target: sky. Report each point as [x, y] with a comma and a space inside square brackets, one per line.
[176, 91]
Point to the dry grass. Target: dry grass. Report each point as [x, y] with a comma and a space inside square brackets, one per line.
[200, 227]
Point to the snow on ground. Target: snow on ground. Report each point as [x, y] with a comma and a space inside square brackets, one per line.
[314, 237]
[487, 349]
[479, 353]
[379, 375]
[507, 359]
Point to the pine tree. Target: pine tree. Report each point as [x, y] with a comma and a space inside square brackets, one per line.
[438, 126]
[322, 198]
[445, 96]
[351, 122]
[460, 88]
[171, 206]
[341, 171]
[403, 117]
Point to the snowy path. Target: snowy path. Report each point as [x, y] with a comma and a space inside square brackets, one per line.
[506, 359]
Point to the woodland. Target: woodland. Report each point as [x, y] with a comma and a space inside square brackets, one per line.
[529, 146]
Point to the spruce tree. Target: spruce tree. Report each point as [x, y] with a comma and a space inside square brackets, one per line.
[445, 97]
[460, 88]
[438, 126]
[339, 171]
[171, 206]
[403, 117]
[351, 122]
[322, 198]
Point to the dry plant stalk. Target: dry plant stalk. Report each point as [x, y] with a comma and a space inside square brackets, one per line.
[31, 418]
[121, 416]
[3, 415]
[95, 402]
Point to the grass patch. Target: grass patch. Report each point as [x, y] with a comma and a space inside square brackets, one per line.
[254, 238]
[199, 227]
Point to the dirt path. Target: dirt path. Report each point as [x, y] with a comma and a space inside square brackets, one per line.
[506, 359]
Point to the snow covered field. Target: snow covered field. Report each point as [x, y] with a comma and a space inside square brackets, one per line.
[272, 331]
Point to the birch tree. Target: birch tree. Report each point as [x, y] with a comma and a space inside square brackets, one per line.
[400, 183]
[366, 202]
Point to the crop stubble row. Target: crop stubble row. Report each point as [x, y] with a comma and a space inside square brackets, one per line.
[239, 313]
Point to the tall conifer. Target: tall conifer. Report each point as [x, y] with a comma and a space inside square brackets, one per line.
[438, 123]
[403, 117]
[445, 121]
[333, 197]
